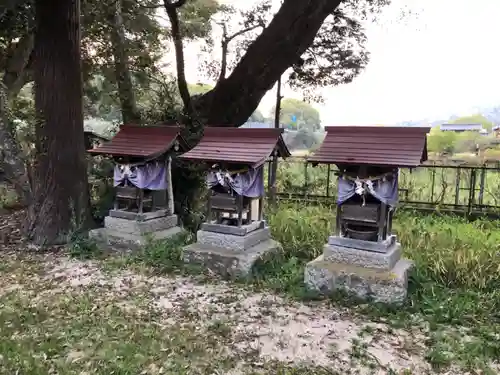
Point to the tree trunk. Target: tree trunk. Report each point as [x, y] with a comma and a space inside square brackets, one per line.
[61, 197]
[280, 45]
[130, 113]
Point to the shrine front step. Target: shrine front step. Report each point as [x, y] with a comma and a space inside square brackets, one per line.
[226, 262]
[386, 286]
[112, 240]
[122, 225]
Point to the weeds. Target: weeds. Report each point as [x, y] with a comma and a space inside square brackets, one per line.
[82, 247]
[164, 255]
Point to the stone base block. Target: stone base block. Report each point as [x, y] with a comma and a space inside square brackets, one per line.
[381, 285]
[231, 229]
[363, 258]
[379, 247]
[227, 262]
[233, 242]
[127, 242]
[116, 224]
[145, 216]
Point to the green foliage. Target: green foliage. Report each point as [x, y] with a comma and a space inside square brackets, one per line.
[306, 116]
[458, 142]
[336, 55]
[441, 141]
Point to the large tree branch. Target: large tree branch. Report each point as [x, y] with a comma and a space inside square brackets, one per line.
[16, 73]
[289, 34]
[226, 39]
[171, 9]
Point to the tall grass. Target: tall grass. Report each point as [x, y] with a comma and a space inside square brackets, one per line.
[452, 251]
[447, 250]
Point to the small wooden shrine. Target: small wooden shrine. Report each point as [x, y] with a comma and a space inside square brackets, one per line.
[142, 173]
[236, 158]
[363, 256]
[368, 160]
[234, 234]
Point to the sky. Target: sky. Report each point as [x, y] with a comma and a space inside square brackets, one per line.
[441, 59]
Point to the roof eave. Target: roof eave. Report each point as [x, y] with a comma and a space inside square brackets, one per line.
[343, 163]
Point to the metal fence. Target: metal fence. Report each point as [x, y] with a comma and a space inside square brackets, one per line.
[449, 188]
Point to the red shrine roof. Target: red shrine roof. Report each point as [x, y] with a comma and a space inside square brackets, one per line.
[388, 146]
[238, 146]
[141, 141]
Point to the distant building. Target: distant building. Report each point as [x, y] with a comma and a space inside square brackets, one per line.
[458, 128]
[462, 128]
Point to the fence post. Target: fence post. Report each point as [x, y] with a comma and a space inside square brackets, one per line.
[481, 185]
[328, 182]
[457, 186]
[433, 173]
[306, 179]
[472, 191]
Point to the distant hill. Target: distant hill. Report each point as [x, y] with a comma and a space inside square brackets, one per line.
[490, 113]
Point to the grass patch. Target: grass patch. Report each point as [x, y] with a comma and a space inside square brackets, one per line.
[76, 334]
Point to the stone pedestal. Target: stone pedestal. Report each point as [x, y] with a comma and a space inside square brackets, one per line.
[366, 269]
[124, 231]
[229, 250]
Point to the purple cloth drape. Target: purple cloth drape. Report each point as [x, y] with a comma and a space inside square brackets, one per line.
[383, 189]
[249, 184]
[151, 176]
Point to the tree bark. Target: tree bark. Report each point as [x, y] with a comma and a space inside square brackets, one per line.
[282, 42]
[61, 197]
[171, 9]
[128, 103]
